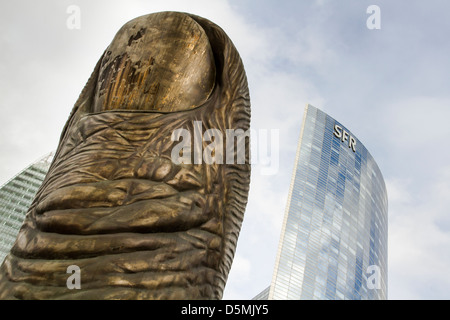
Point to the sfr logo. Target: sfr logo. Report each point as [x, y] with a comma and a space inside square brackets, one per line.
[345, 136]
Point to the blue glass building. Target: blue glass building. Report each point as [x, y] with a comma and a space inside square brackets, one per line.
[16, 196]
[333, 241]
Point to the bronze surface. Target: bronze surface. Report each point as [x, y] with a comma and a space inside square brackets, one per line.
[113, 202]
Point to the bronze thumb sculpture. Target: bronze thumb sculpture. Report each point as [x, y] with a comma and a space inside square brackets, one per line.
[114, 203]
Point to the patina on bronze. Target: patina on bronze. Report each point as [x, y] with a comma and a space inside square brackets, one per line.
[114, 203]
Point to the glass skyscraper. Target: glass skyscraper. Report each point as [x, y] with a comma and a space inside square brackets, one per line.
[16, 196]
[333, 241]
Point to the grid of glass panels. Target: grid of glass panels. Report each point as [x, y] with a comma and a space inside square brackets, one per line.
[16, 197]
[334, 234]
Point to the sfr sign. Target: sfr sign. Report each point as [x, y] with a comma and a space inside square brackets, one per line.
[345, 136]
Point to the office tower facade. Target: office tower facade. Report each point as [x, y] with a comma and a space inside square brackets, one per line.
[333, 241]
[16, 196]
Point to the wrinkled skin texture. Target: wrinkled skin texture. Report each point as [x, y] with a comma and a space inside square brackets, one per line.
[113, 203]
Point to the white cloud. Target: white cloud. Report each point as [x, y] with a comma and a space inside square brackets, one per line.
[418, 122]
[419, 239]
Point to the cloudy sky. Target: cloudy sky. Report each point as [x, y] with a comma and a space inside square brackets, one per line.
[390, 86]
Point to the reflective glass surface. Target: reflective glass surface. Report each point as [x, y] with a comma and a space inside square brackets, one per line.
[334, 236]
[16, 197]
